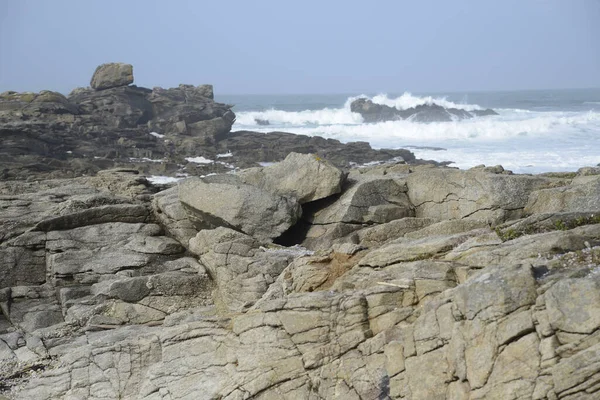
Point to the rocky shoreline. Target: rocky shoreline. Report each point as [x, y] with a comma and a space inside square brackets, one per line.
[304, 279]
[114, 124]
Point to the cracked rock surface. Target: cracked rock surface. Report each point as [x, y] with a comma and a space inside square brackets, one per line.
[424, 283]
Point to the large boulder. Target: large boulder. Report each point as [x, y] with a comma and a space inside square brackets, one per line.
[112, 75]
[176, 110]
[305, 177]
[224, 200]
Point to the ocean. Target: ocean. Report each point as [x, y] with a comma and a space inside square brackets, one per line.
[536, 131]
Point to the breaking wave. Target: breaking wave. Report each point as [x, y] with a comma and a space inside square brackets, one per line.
[343, 115]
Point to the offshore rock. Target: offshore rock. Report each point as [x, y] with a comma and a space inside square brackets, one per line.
[373, 112]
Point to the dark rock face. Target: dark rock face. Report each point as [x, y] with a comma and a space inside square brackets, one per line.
[250, 147]
[115, 124]
[372, 112]
[107, 125]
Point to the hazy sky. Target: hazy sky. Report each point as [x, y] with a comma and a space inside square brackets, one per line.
[304, 46]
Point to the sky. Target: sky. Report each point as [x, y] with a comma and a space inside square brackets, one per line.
[276, 47]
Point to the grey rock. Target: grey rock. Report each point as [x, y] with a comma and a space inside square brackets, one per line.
[581, 196]
[405, 249]
[130, 213]
[379, 234]
[366, 200]
[430, 112]
[453, 194]
[226, 201]
[171, 214]
[240, 267]
[112, 75]
[574, 305]
[306, 177]
[513, 288]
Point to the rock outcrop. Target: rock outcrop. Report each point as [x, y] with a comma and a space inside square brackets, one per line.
[299, 280]
[412, 296]
[373, 112]
[115, 124]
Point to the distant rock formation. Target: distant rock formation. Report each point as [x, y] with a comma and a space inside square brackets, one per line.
[373, 112]
[116, 124]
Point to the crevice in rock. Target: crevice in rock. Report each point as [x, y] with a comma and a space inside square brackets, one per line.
[294, 235]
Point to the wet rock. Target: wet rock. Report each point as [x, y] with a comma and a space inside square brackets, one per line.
[426, 113]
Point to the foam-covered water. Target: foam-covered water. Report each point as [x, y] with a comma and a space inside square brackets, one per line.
[536, 131]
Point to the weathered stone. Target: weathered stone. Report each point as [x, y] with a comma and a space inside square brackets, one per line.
[241, 269]
[453, 194]
[170, 213]
[573, 305]
[112, 75]
[513, 287]
[225, 201]
[379, 234]
[403, 249]
[584, 196]
[368, 200]
[305, 177]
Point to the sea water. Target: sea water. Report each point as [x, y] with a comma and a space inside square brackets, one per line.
[535, 131]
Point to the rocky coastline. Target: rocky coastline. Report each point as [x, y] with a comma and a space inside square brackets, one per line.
[308, 278]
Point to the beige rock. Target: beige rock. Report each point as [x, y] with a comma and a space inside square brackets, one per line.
[573, 305]
[445, 193]
[584, 196]
[112, 75]
[306, 177]
[225, 201]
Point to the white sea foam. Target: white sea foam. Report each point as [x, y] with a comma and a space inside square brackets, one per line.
[491, 128]
[407, 101]
[521, 140]
[225, 155]
[162, 180]
[325, 116]
[340, 116]
[199, 160]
